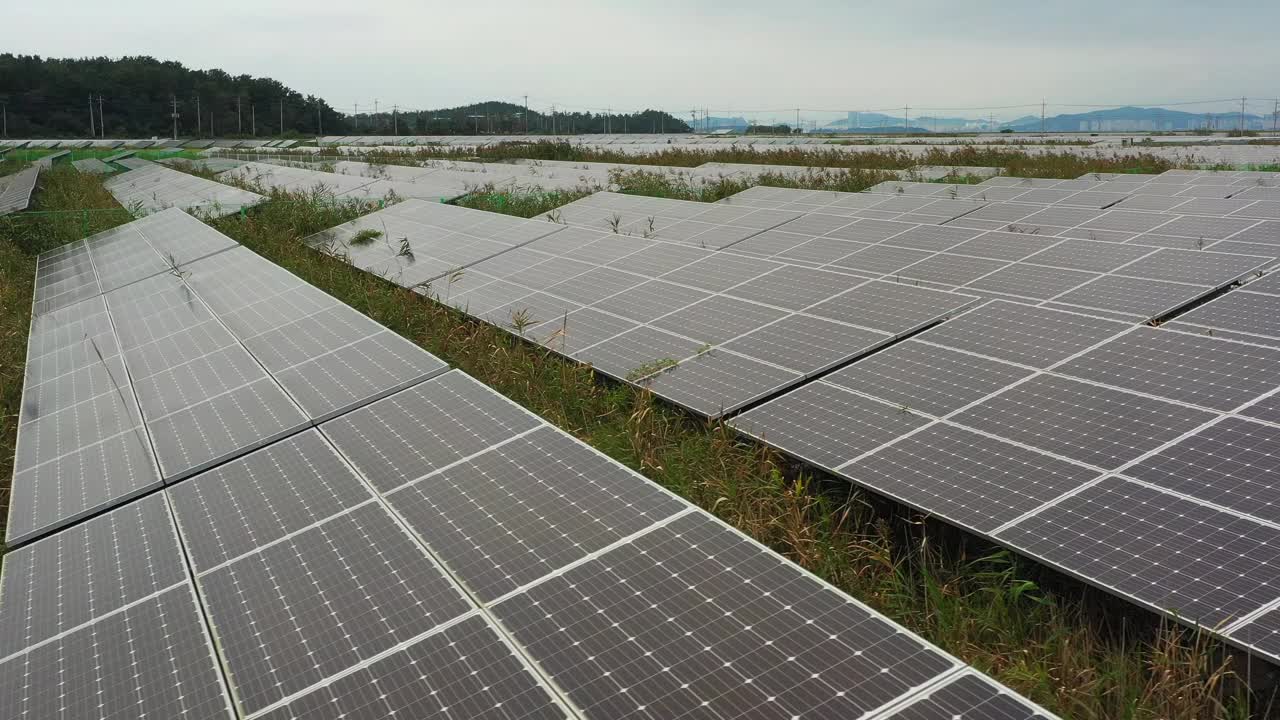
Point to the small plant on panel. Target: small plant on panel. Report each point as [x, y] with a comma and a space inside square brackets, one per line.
[365, 237]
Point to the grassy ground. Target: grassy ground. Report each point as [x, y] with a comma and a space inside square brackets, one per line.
[1076, 651]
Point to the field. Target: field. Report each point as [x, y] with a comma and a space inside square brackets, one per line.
[1076, 651]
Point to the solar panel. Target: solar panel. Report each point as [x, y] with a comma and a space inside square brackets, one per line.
[967, 696]
[465, 670]
[1212, 573]
[388, 592]
[1204, 371]
[1092, 424]
[708, 646]
[1020, 334]
[1252, 313]
[1141, 298]
[1189, 266]
[155, 187]
[971, 479]
[439, 239]
[150, 659]
[527, 508]
[826, 425]
[16, 196]
[926, 378]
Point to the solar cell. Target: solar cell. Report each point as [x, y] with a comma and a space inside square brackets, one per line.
[880, 259]
[1209, 372]
[638, 353]
[1215, 569]
[951, 270]
[791, 646]
[1096, 425]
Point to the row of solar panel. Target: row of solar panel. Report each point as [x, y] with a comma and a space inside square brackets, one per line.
[1054, 432]
[1140, 459]
[437, 551]
[153, 187]
[164, 328]
[737, 329]
[15, 195]
[140, 144]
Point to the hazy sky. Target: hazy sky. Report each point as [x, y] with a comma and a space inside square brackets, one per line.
[728, 56]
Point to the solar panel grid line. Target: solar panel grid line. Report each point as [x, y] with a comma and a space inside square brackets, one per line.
[455, 581]
[1119, 472]
[822, 585]
[1209, 625]
[198, 600]
[593, 555]
[286, 537]
[964, 693]
[465, 459]
[1271, 523]
[72, 629]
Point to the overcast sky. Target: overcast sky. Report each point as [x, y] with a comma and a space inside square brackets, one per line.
[747, 57]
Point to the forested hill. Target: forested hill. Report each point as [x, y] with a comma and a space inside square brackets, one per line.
[50, 97]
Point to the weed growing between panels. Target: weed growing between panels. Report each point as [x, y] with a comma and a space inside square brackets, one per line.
[1062, 646]
[1013, 161]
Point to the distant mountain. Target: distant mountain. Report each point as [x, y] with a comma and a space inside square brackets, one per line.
[1137, 119]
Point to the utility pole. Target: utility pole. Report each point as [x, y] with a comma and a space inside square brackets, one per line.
[93, 131]
[281, 116]
[905, 109]
[797, 120]
[102, 122]
[239, 123]
[1042, 116]
[319, 120]
[253, 118]
[356, 115]
[1242, 101]
[395, 120]
[1275, 118]
[526, 114]
[4, 119]
[174, 100]
[199, 119]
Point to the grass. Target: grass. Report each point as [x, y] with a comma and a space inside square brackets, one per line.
[1010, 159]
[1079, 652]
